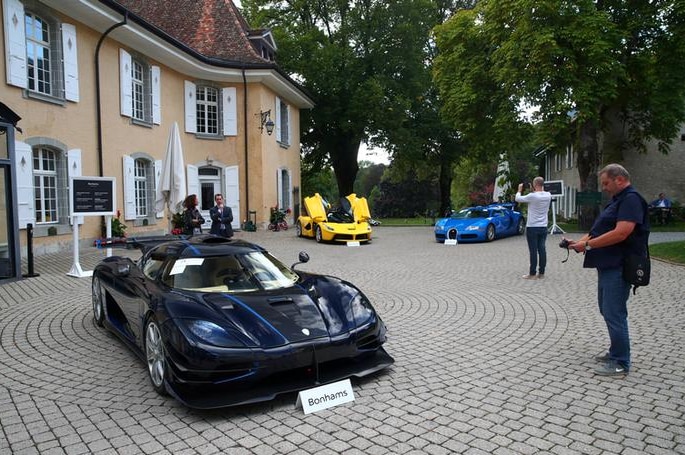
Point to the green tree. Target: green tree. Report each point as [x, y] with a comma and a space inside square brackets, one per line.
[613, 68]
[363, 63]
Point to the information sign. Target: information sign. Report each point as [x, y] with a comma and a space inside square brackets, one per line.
[92, 196]
[555, 187]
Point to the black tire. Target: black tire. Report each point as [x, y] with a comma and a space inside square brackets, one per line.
[521, 228]
[155, 356]
[490, 233]
[317, 234]
[99, 299]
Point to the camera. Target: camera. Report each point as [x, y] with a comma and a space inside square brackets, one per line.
[565, 244]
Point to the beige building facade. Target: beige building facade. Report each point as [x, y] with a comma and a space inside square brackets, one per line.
[99, 84]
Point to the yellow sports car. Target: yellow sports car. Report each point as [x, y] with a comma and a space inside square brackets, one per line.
[347, 223]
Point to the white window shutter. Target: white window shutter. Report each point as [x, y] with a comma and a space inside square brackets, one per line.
[288, 139]
[26, 210]
[230, 107]
[70, 52]
[232, 193]
[279, 188]
[156, 75]
[193, 180]
[277, 120]
[74, 170]
[125, 83]
[129, 189]
[158, 176]
[190, 106]
[15, 43]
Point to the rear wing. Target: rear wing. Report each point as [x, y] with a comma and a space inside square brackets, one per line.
[140, 243]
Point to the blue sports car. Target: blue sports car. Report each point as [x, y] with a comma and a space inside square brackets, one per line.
[480, 224]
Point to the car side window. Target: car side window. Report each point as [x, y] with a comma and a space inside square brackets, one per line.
[152, 263]
[151, 267]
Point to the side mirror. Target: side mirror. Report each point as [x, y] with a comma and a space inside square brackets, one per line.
[123, 269]
[303, 258]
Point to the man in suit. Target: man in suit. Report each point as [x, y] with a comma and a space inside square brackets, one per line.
[222, 217]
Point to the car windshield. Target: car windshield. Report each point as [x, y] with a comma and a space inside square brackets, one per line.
[470, 213]
[239, 273]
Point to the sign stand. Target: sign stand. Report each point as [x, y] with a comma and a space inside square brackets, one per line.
[556, 189]
[555, 229]
[90, 196]
[76, 269]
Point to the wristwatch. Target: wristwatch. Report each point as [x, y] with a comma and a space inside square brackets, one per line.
[587, 246]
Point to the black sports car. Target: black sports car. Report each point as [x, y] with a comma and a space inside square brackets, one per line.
[221, 322]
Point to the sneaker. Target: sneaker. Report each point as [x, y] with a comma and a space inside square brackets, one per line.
[611, 368]
[602, 358]
[529, 277]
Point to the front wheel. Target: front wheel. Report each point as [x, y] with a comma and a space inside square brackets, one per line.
[298, 229]
[283, 225]
[156, 358]
[490, 233]
[98, 296]
[318, 234]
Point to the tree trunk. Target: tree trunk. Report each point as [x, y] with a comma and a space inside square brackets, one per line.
[445, 185]
[343, 153]
[588, 165]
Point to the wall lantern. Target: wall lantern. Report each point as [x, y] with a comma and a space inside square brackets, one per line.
[266, 122]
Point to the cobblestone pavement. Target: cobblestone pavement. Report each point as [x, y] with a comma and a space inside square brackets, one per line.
[485, 363]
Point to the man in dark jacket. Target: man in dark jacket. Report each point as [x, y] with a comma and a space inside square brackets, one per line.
[620, 229]
[221, 216]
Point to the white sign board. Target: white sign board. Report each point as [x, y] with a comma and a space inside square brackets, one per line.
[450, 241]
[325, 397]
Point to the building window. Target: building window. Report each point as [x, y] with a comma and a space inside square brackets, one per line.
[38, 54]
[284, 189]
[282, 122]
[140, 85]
[142, 186]
[141, 92]
[45, 178]
[207, 109]
[569, 157]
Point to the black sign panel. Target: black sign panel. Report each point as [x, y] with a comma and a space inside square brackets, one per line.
[92, 196]
[556, 187]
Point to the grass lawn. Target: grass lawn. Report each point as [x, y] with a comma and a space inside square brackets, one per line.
[670, 251]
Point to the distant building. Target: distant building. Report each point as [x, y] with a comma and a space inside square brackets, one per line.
[651, 172]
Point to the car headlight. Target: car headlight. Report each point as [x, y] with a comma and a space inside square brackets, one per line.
[361, 310]
[211, 333]
[473, 228]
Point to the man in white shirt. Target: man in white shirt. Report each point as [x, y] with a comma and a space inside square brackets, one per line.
[538, 202]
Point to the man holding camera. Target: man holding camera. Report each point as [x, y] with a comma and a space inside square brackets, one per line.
[606, 246]
[538, 202]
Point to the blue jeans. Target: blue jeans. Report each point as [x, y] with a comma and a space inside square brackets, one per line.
[612, 295]
[536, 237]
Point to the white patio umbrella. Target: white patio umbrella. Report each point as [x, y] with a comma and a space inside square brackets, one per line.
[172, 183]
[501, 184]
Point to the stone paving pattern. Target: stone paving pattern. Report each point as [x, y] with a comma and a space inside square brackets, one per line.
[486, 363]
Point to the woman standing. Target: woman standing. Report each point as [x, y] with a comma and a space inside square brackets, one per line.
[192, 219]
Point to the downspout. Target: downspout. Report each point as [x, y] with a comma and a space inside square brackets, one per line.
[247, 174]
[103, 219]
[97, 91]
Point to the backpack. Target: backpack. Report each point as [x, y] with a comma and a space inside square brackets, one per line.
[637, 267]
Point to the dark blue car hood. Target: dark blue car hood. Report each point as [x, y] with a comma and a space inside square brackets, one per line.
[318, 307]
